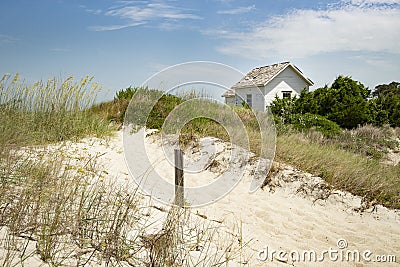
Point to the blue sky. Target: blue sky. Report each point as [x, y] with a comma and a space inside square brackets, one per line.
[122, 43]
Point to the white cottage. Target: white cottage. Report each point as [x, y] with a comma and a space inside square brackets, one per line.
[260, 86]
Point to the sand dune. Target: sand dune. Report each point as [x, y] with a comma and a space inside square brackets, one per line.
[295, 212]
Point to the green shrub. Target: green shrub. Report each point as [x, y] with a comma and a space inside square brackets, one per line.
[161, 110]
[149, 108]
[113, 111]
[283, 107]
[126, 93]
[307, 121]
[345, 102]
[385, 106]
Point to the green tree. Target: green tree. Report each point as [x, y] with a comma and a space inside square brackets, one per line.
[345, 102]
[385, 106]
[283, 106]
[319, 101]
[385, 89]
[350, 108]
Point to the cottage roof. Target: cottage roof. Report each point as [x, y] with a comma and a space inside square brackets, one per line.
[262, 75]
[229, 93]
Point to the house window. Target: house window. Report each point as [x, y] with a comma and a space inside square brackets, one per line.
[286, 94]
[249, 100]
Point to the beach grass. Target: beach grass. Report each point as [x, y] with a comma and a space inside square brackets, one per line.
[64, 208]
[344, 170]
[48, 112]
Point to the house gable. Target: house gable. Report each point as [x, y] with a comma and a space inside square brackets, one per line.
[290, 72]
[281, 79]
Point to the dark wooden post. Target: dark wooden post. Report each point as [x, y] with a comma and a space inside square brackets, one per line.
[179, 185]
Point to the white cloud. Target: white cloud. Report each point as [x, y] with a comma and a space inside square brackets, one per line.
[141, 12]
[114, 27]
[224, 1]
[60, 49]
[94, 11]
[236, 11]
[150, 12]
[372, 2]
[306, 32]
[6, 39]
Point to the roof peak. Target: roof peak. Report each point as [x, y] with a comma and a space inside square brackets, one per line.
[262, 75]
[272, 65]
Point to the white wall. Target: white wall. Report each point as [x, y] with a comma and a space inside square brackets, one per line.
[230, 100]
[287, 80]
[258, 97]
[290, 77]
[278, 91]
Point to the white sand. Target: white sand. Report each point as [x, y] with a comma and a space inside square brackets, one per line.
[285, 218]
[292, 213]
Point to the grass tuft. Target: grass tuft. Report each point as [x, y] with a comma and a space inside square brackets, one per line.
[342, 169]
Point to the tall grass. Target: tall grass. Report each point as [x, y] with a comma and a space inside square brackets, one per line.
[38, 197]
[370, 141]
[49, 111]
[74, 216]
[66, 210]
[342, 169]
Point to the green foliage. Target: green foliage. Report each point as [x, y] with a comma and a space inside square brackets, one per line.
[386, 89]
[161, 110]
[307, 121]
[283, 106]
[345, 102]
[245, 105]
[385, 106]
[351, 101]
[318, 102]
[115, 110]
[286, 112]
[126, 93]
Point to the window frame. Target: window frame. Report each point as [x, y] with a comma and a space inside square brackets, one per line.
[250, 103]
[287, 96]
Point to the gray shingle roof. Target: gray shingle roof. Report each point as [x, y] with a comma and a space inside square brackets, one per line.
[262, 75]
[229, 93]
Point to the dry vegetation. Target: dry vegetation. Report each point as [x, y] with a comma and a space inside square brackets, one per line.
[343, 169]
[63, 210]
